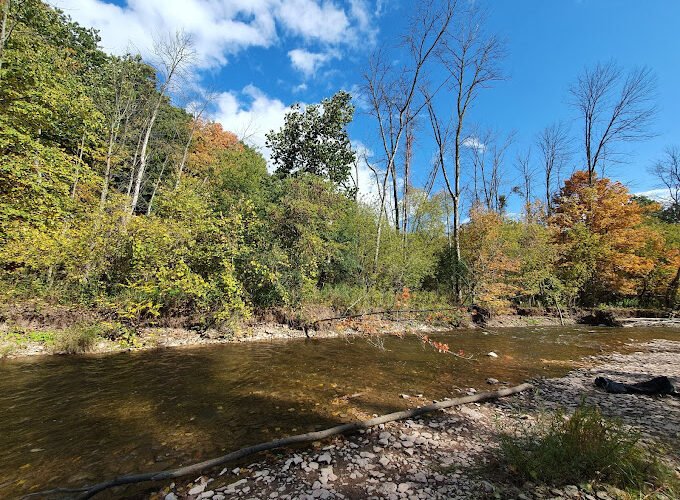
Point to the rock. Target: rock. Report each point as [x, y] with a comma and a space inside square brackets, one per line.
[384, 461]
[171, 496]
[313, 465]
[199, 488]
[366, 454]
[492, 354]
[404, 396]
[385, 435]
[207, 494]
[389, 488]
[404, 487]
[324, 458]
[492, 381]
[420, 477]
[218, 496]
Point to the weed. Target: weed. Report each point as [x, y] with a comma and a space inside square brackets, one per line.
[580, 448]
[76, 339]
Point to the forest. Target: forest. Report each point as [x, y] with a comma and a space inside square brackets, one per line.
[121, 197]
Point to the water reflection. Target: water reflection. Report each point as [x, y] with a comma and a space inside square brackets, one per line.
[65, 421]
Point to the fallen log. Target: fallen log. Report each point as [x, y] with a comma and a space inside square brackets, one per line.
[90, 491]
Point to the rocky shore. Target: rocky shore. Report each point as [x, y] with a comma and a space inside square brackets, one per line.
[451, 454]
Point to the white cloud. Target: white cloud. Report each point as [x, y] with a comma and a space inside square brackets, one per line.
[314, 20]
[309, 62]
[660, 195]
[473, 142]
[250, 114]
[220, 28]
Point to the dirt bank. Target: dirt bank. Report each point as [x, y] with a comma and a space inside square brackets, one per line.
[29, 331]
[443, 456]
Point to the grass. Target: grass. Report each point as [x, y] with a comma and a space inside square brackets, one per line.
[76, 339]
[585, 447]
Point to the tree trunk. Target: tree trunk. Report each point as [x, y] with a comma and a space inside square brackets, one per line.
[133, 168]
[143, 156]
[3, 32]
[456, 210]
[185, 155]
[80, 162]
[155, 188]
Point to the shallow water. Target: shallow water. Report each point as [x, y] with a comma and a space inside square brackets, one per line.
[69, 421]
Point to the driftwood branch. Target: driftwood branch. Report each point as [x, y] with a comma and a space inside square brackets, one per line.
[90, 491]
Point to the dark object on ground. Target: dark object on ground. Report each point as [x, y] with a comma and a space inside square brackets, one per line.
[600, 317]
[479, 315]
[657, 385]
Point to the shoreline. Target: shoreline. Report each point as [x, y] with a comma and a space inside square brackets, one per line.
[447, 454]
[149, 338]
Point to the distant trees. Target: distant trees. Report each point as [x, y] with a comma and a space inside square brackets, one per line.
[614, 106]
[314, 140]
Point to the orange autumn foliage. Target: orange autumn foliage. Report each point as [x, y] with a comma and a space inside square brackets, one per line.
[599, 228]
[209, 141]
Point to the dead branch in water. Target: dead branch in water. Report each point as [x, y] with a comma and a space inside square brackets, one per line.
[90, 491]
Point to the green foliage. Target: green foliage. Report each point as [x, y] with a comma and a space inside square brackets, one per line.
[582, 447]
[314, 140]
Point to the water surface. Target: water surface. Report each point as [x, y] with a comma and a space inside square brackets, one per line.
[68, 421]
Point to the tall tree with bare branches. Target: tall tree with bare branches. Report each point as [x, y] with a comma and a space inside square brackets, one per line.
[554, 144]
[393, 95]
[614, 107]
[667, 170]
[471, 58]
[174, 54]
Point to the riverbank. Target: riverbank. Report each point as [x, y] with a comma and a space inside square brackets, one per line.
[30, 331]
[22, 338]
[452, 454]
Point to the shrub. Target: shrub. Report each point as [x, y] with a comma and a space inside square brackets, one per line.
[76, 339]
[583, 447]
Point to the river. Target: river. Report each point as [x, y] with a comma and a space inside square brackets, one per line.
[69, 421]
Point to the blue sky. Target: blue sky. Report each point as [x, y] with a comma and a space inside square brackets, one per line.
[263, 55]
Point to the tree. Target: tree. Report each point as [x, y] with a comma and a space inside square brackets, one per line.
[174, 55]
[614, 107]
[599, 229]
[393, 94]
[553, 142]
[471, 57]
[667, 171]
[314, 140]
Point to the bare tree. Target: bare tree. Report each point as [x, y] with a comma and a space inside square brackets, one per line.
[392, 92]
[614, 107]
[526, 172]
[174, 54]
[118, 110]
[555, 147]
[472, 59]
[667, 170]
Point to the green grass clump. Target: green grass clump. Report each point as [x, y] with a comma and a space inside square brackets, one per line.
[76, 339]
[584, 447]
